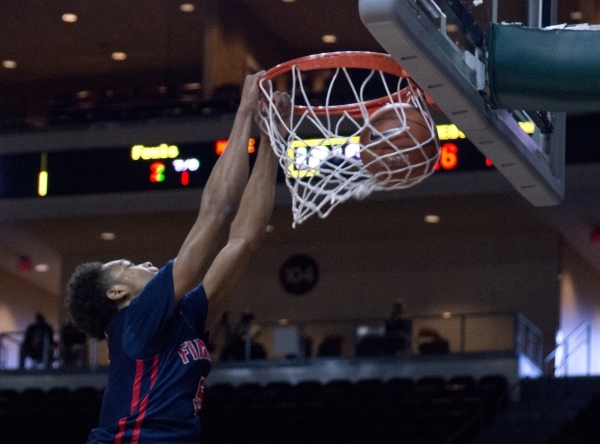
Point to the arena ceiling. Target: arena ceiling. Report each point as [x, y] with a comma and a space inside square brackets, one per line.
[160, 39]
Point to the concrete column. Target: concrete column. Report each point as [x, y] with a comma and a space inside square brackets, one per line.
[225, 53]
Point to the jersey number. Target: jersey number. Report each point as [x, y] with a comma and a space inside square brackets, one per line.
[199, 398]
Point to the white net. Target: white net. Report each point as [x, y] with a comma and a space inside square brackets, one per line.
[337, 148]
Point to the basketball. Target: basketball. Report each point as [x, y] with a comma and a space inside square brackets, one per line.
[397, 153]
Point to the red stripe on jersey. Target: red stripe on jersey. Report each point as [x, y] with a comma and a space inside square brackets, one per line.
[137, 384]
[119, 437]
[136, 402]
[144, 403]
[138, 421]
[154, 374]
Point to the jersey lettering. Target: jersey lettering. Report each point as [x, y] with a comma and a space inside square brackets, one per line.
[195, 350]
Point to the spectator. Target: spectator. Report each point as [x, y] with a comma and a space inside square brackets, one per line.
[241, 343]
[73, 351]
[38, 343]
[398, 331]
[331, 346]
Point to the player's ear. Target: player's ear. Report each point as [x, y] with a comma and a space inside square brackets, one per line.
[117, 292]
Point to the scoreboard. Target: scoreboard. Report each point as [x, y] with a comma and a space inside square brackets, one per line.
[164, 166]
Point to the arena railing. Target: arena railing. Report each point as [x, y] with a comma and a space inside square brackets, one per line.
[348, 338]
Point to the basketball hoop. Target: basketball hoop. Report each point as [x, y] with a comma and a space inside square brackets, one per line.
[359, 124]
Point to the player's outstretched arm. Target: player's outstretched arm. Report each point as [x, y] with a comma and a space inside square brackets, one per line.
[220, 198]
[247, 230]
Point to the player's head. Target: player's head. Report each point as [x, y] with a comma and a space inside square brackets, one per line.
[96, 291]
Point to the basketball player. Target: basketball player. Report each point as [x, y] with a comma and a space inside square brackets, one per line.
[155, 319]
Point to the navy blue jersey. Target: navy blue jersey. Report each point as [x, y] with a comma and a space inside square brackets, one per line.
[158, 363]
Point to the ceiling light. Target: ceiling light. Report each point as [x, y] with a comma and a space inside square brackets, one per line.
[446, 315]
[191, 86]
[83, 94]
[119, 56]
[42, 268]
[9, 64]
[108, 236]
[69, 18]
[288, 1]
[576, 15]
[283, 322]
[432, 218]
[329, 38]
[187, 7]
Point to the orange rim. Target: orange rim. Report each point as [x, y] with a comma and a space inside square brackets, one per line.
[345, 59]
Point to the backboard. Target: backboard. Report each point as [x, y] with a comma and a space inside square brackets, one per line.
[442, 46]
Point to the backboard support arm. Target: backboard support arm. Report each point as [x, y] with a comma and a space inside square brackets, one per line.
[450, 77]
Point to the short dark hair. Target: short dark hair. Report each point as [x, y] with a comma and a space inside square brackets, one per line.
[89, 307]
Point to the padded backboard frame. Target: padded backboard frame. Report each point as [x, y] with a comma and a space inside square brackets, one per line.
[409, 30]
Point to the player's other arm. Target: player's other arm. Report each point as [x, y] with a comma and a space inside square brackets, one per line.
[220, 198]
[247, 230]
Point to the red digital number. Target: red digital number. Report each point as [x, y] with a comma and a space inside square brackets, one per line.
[448, 156]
